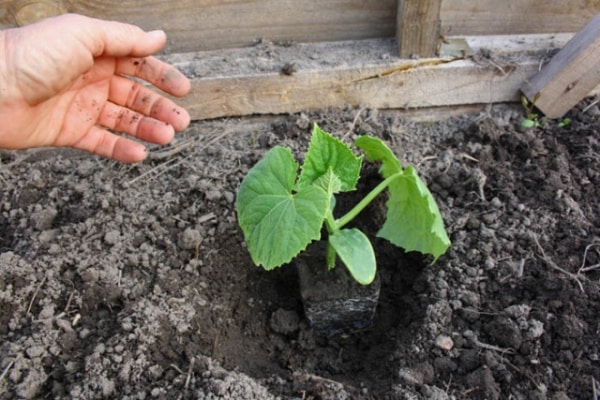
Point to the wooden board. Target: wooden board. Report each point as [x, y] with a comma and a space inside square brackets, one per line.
[373, 81]
[485, 17]
[210, 24]
[403, 85]
[194, 25]
[418, 28]
[570, 75]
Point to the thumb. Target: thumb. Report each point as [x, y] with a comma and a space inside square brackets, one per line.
[115, 39]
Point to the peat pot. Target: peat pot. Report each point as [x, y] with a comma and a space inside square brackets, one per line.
[334, 303]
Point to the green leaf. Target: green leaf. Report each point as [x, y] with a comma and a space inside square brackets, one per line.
[329, 182]
[413, 220]
[329, 157]
[355, 250]
[377, 150]
[564, 123]
[277, 222]
[528, 123]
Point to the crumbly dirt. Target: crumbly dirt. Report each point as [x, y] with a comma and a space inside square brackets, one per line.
[133, 281]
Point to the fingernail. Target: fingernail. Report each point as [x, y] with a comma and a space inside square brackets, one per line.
[156, 35]
[144, 153]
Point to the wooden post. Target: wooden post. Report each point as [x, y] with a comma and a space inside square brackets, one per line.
[570, 75]
[418, 27]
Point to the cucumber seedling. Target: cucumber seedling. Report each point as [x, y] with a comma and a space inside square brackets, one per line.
[282, 211]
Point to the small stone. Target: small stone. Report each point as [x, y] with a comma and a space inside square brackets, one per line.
[505, 332]
[434, 393]
[444, 342]
[42, 220]
[35, 351]
[489, 263]
[496, 202]
[560, 396]
[54, 249]
[47, 312]
[228, 196]
[213, 195]
[155, 371]
[100, 348]
[411, 376]
[189, 239]
[303, 122]
[64, 325]
[112, 237]
[84, 333]
[90, 275]
[201, 302]
[48, 235]
[518, 311]
[76, 391]
[31, 385]
[485, 232]
[127, 324]
[86, 168]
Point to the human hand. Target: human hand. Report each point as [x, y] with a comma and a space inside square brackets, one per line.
[66, 82]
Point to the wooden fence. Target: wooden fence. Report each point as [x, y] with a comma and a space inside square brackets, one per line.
[418, 73]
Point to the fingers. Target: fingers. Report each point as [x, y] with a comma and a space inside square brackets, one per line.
[103, 143]
[100, 141]
[132, 95]
[135, 110]
[158, 73]
[132, 123]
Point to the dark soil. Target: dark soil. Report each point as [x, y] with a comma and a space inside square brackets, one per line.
[133, 282]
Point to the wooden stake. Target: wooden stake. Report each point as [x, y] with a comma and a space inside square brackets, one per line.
[418, 27]
[570, 75]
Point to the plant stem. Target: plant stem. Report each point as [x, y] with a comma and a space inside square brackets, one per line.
[330, 223]
[350, 215]
[331, 255]
[332, 228]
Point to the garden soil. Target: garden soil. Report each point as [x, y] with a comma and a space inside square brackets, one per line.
[134, 282]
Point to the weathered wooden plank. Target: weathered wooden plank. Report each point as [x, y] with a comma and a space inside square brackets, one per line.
[418, 27]
[194, 25]
[494, 17]
[570, 75]
[403, 85]
[346, 75]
